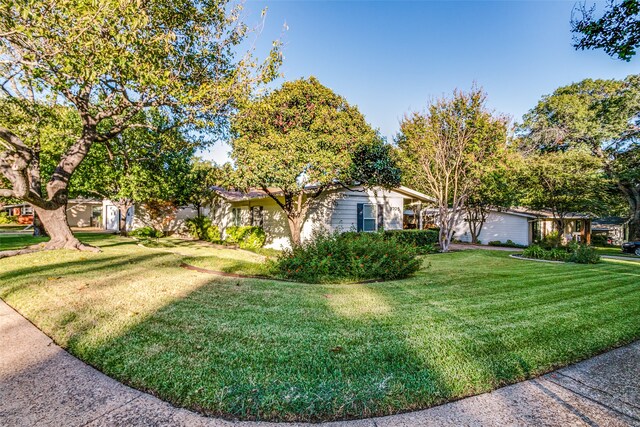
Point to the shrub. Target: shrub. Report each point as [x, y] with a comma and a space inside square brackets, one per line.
[201, 228]
[247, 237]
[584, 254]
[552, 240]
[600, 240]
[581, 254]
[424, 240]
[5, 218]
[333, 257]
[146, 233]
[508, 244]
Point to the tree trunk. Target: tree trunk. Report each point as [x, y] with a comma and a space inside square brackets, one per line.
[123, 208]
[295, 226]
[57, 227]
[633, 197]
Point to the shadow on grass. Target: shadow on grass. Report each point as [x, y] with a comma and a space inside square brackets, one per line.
[285, 351]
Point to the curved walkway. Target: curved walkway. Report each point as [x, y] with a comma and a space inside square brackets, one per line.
[43, 385]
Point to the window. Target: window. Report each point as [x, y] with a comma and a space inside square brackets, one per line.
[256, 216]
[236, 214]
[369, 217]
[27, 210]
[578, 226]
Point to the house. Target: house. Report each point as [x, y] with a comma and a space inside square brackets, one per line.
[80, 213]
[339, 208]
[525, 226]
[612, 229]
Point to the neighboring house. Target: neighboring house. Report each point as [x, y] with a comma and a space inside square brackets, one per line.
[80, 213]
[613, 229]
[525, 226]
[356, 209]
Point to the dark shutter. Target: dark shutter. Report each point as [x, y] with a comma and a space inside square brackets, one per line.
[360, 222]
[380, 217]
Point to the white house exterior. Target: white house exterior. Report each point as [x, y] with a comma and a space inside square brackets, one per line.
[500, 226]
[357, 209]
[524, 226]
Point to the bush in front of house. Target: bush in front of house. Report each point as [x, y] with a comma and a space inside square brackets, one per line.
[584, 254]
[581, 254]
[5, 218]
[146, 233]
[508, 244]
[424, 240]
[340, 257]
[202, 228]
[246, 237]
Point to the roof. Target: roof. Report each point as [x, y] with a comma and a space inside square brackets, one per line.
[255, 193]
[542, 213]
[610, 220]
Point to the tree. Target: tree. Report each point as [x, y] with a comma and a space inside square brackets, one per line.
[617, 31]
[444, 150]
[138, 165]
[565, 182]
[301, 139]
[495, 188]
[199, 187]
[601, 116]
[109, 61]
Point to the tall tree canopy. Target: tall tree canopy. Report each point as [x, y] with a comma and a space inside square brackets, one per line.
[138, 165]
[301, 139]
[110, 60]
[496, 188]
[617, 31]
[446, 149]
[602, 116]
[565, 182]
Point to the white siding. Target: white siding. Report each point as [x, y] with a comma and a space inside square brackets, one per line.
[334, 210]
[500, 226]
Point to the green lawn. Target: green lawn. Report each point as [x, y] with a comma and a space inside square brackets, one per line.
[469, 322]
[11, 228]
[614, 251]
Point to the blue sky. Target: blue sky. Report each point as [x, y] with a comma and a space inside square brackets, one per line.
[392, 57]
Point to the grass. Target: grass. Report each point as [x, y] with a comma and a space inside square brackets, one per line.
[469, 322]
[614, 251]
[11, 228]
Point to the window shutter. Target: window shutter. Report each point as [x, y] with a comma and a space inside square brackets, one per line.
[380, 217]
[360, 222]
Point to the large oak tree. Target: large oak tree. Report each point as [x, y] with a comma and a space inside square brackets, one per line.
[110, 60]
[602, 116]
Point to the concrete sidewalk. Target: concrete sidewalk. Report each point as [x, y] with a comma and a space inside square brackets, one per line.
[43, 385]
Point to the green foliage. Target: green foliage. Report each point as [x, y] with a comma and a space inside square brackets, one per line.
[601, 118]
[551, 240]
[337, 257]
[201, 228]
[246, 237]
[446, 150]
[304, 135]
[5, 218]
[584, 254]
[565, 182]
[508, 244]
[617, 31]
[424, 241]
[146, 233]
[581, 254]
[599, 240]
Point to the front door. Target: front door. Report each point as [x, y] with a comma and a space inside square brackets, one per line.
[112, 219]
